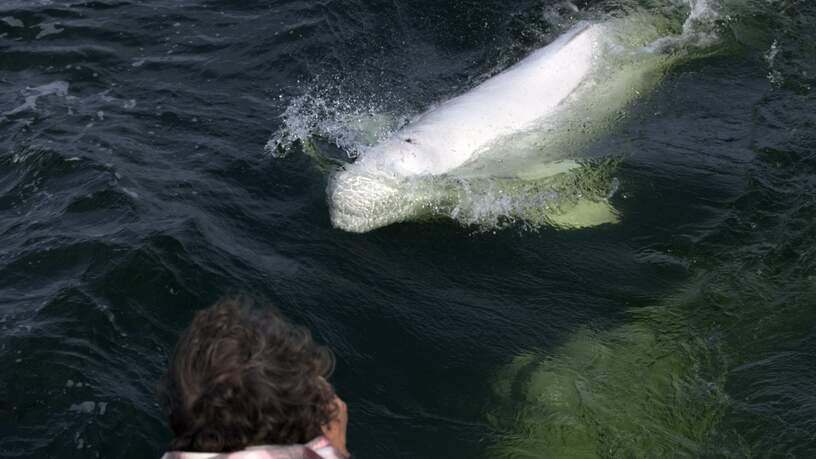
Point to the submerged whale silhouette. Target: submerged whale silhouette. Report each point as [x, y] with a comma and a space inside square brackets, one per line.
[571, 80]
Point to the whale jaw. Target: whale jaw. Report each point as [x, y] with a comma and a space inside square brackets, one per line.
[363, 201]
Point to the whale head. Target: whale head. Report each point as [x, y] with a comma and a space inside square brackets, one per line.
[382, 187]
[361, 200]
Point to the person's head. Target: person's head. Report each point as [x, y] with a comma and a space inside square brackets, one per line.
[242, 377]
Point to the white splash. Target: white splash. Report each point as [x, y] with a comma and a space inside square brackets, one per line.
[57, 88]
[350, 122]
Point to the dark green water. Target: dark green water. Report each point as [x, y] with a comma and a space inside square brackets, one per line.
[134, 190]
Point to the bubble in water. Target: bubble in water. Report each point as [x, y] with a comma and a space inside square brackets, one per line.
[86, 407]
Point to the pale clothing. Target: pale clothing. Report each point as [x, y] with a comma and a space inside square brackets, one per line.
[319, 448]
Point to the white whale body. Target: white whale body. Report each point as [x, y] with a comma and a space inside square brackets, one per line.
[450, 134]
[534, 110]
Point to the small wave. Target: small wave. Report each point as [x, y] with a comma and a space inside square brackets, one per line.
[57, 88]
[12, 22]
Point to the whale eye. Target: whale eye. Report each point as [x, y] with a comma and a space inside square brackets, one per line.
[409, 140]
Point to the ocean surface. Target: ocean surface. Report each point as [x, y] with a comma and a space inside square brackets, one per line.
[157, 155]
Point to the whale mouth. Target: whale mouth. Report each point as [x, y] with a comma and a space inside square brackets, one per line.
[361, 202]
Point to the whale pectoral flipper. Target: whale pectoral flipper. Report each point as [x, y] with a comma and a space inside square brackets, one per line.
[578, 193]
[586, 213]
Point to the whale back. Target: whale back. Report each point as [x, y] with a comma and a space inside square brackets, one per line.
[452, 133]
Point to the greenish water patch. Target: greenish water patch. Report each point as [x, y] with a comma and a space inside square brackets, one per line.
[716, 367]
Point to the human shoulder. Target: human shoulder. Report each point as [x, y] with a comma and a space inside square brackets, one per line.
[319, 448]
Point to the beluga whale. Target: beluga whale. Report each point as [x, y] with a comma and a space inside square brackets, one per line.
[517, 132]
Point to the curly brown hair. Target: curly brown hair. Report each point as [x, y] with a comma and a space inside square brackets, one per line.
[244, 376]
